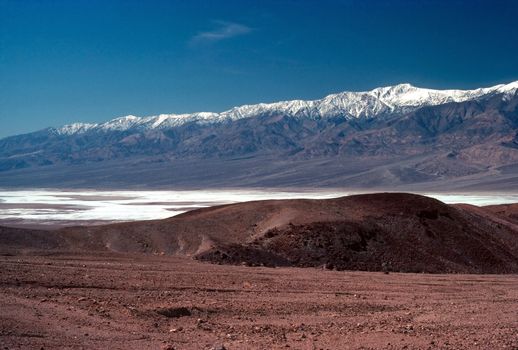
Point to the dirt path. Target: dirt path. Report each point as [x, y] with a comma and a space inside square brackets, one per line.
[149, 302]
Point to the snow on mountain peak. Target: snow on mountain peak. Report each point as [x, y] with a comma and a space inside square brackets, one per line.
[75, 128]
[509, 88]
[364, 104]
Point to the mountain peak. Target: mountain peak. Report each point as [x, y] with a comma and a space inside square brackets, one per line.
[125, 118]
[398, 98]
[511, 87]
[396, 88]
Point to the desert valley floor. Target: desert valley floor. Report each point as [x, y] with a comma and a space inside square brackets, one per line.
[122, 301]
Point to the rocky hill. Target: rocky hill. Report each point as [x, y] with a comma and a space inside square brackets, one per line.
[384, 231]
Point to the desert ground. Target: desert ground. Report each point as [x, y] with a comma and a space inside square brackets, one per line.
[149, 284]
[135, 301]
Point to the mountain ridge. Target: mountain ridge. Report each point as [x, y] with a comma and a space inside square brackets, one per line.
[471, 143]
[362, 104]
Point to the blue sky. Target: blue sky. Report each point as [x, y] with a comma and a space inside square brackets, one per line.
[66, 61]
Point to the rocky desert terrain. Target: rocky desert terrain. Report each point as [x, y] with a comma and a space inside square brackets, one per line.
[301, 274]
[121, 301]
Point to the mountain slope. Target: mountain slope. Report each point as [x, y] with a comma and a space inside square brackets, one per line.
[394, 136]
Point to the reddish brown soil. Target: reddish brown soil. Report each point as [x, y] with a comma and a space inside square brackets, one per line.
[117, 287]
[114, 301]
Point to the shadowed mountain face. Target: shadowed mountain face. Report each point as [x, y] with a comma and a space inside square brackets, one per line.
[386, 231]
[453, 145]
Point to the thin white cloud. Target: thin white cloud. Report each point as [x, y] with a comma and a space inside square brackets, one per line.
[224, 31]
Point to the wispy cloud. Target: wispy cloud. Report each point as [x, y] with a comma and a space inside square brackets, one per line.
[224, 30]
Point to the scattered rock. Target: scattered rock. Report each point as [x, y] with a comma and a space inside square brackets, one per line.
[174, 312]
[218, 347]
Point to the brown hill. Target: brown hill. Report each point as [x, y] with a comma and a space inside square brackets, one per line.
[393, 231]
[507, 212]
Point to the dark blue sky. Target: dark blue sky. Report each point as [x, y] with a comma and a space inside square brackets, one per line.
[66, 61]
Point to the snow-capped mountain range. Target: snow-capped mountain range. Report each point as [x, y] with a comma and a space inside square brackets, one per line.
[366, 104]
[391, 136]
